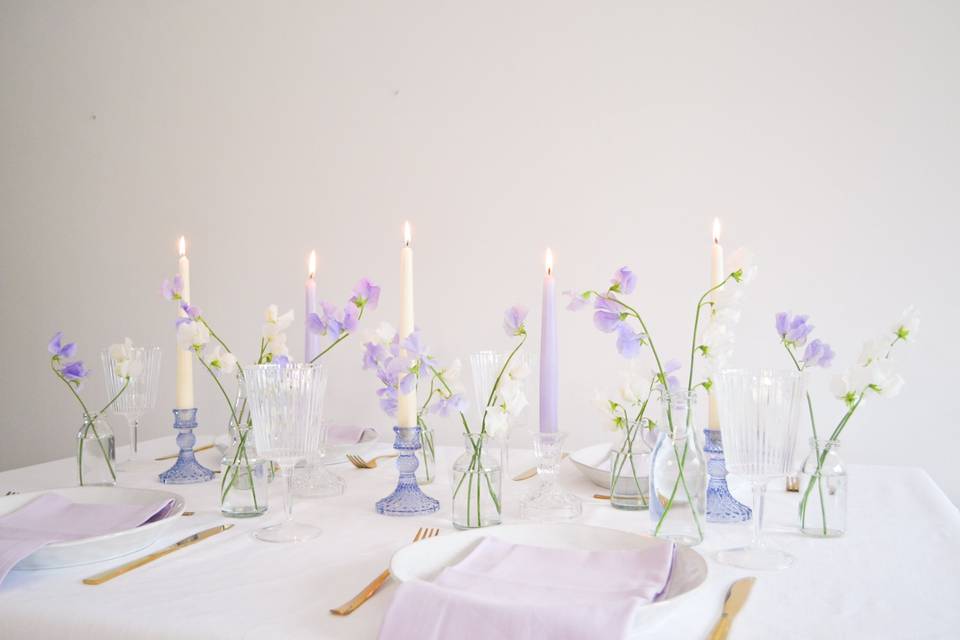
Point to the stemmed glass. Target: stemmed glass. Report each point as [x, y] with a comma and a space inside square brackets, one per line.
[286, 404]
[485, 366]
[139, 397]
[759, 413]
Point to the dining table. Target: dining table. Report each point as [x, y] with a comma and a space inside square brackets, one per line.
[895, 574]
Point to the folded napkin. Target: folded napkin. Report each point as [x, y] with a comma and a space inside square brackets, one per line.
[53, 518]
[343, 434]
[503, 591]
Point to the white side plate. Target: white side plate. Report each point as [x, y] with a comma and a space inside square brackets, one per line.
[111, 545]
[594, 463]
[425, 559]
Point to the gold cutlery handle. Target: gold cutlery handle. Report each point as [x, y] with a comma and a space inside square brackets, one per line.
[721, 629]
[367, 593]
[110, 574]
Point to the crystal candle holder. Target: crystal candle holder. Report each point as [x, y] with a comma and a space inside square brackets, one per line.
[186, 470]
[407, 498]
[721, 505]
[548, 501]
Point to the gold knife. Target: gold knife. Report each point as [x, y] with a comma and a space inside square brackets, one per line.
[100, 578]
[736, 598]
[529, 473]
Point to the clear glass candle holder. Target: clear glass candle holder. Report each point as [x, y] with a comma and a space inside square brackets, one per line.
[548, 501]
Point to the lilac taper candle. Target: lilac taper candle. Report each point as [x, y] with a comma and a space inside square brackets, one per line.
[549, 377]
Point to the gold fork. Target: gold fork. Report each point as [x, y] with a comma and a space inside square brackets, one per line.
[349, 607]
[360, 463]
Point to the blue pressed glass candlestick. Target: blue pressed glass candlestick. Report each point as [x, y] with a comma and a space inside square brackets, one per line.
[186, 470]
[407, 499]
[721, 505]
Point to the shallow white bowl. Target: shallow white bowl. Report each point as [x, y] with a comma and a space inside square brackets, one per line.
[594, 463]
[424, 560]
[111, 545]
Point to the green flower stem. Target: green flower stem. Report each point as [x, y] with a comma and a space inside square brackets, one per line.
[88, 422]
[496, 383]
[343, 336]
[680, 477]
[696, 326]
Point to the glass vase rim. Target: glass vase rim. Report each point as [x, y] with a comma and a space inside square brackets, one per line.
[831, 443]
[264, 366]
[690, 395]
[105, 351]
[792, 374]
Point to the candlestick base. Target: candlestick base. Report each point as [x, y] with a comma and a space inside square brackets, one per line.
[721, 505]
[186, 470]
[407, 499]
[312, 479]
[548, 501]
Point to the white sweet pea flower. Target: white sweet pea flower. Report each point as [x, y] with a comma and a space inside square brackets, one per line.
[385, 333]
[879, 376]
[276, 324]
[742, 265]
[124, 366]
[717, 341]
[519, 369]
[219, 358]
[497, 421]
[840, 387]
[513, 398]
[635, 388]
[452, 373]
[909, 324]
[277, 345]
[192, 335]
[121, 351]
[873, 350]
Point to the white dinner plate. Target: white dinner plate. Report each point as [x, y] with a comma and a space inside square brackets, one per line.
[594, 463]
[111, 545]
[424, 560]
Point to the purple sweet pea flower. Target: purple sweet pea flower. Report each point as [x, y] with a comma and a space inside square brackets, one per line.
[281, 360]
[192, 312]
[817, 354]
[513, 321]
[798, 330]
[325, 322]
[373, 355]
[316, 324]
[366, 294]
[172, 289]
[74, 371]
[607, 315]
[59, 350]
[416, 350]
[624, 281]
[456, 403]
[628, 341]
[670, 367]
[577, 300]
[783, 323]
[388, 400]
[350, 318]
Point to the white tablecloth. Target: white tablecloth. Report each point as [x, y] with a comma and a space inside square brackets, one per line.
[896, 574]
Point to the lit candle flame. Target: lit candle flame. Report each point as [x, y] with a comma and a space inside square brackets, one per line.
[183, 246]
[716, 230]
[312, 265]
[549, 262]
[406, 233]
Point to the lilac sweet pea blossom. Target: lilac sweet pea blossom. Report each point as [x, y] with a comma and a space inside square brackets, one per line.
[817, 354]
[607, 315]
[172, 289]
[793, 330]
[350, 319]
[366, 294]
[456, 403]
[192, 312]
[628, 341]
[59, 350]
[577, 300]
[75, 371]
[624, 281]
[373, 355]
[513, 321]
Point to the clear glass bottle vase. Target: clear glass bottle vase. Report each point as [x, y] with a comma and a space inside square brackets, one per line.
[476, 484]
[823, 491]
[678, 474]
[244, 476]
[96, 453]
[427, 456]
[630, 469]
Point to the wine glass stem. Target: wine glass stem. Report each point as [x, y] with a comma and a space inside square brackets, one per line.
[134, 438]
[759, 491]
[287, 474]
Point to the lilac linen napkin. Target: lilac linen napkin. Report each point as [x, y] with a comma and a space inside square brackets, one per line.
[344, 434]
[503, 591]
[53, 518]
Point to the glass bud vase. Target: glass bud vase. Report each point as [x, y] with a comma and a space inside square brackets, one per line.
[476, 484]
[427, 455]
[630, 469]
[244, 477]
[823, 491]
[96, 453]
[678, 474]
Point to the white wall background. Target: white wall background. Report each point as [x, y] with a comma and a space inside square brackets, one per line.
[824, 134]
